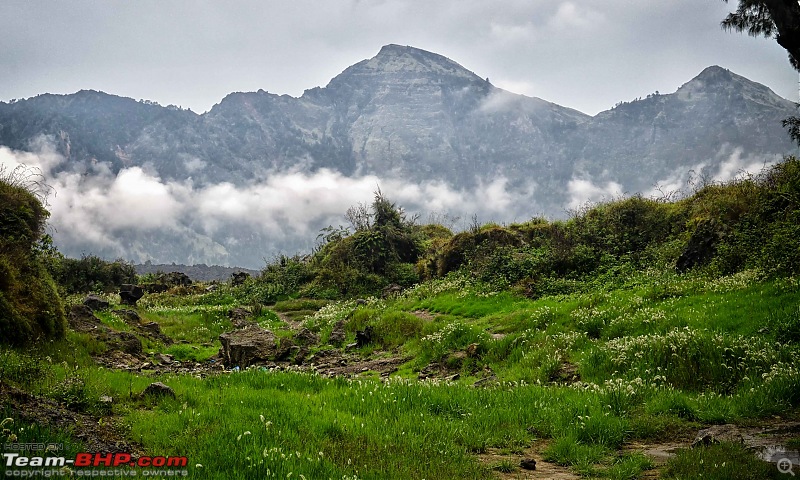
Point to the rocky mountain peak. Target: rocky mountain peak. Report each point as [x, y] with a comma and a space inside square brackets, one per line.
[717, 81]
[409, 61]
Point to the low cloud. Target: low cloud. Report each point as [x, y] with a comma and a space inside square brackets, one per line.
[582, 192]
[135, 214]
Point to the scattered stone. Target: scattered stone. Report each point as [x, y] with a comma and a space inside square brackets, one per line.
[211, 288]
[123, 341]
[158, 389]
[238, 278]
[337, 335]
[361, 301]
[365, 337]
[350, 346]
[128, 316]
[717, 434]
[528, 464]
[453, 377]
[82, 319]
[106, 399]
[164, 358]
[130, 294]
[306, 337]
[153, 330]
[251, 345]
[473, 350]
[96, 302]
[240, 317]
[392, 290]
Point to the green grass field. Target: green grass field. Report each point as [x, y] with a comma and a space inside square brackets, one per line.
[584, 375]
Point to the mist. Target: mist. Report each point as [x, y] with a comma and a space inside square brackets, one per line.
[137, 216]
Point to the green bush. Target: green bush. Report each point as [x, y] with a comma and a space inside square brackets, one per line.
[30, 307]
[91, 273]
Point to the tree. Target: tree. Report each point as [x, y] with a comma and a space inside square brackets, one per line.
[778, 18]
[772, 18]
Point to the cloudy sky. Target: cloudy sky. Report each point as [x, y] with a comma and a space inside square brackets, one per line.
[584, 54]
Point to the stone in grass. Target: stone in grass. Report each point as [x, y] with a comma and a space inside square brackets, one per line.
[158, 389]
[528, 464]
[717, 434]
[96, 302]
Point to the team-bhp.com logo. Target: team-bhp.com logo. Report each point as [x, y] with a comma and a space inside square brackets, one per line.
[84, 464]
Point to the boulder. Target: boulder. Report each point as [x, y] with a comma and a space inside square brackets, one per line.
[337, 335]
[130, 317]
[365, 337]
[240, 317]
[717, 434]
[164, 358]
[306, 337]
[96, 302]
[238, 278]
[123, 341]
[82, 319]
[130, 294]
[158, 389]
[392, 290]
[251, 345]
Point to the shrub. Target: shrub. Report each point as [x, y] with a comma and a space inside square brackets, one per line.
[30, 307]
[91, 273]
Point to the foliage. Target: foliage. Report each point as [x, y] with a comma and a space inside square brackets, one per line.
[30, 307]
[92, 274]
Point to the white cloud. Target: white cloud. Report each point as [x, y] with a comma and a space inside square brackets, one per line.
[583, 191]
[100, 211]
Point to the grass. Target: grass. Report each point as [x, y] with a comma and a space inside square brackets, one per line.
[724, 461]
[649, 357]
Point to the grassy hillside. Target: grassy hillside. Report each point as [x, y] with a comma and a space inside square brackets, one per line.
[585, 344]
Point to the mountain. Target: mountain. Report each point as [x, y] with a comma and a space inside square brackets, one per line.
[405, 114]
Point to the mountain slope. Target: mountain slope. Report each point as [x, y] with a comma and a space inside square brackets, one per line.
[406, 115]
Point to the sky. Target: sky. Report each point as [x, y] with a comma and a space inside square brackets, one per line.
[584, 54]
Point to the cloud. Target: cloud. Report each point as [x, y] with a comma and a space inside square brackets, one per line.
[583, 191]
[136, 215]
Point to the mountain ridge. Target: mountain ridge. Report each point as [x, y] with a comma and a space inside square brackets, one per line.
[416, 116]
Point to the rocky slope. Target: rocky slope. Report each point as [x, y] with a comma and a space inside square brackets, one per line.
[405, 114]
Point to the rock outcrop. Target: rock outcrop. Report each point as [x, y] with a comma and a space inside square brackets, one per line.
[251, 345]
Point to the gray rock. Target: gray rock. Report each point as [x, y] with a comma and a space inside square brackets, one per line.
[96, 302]
[337, 335]
[306, 337]
[717, 434]
[252, 345]
[158, 389]
[130, 294]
